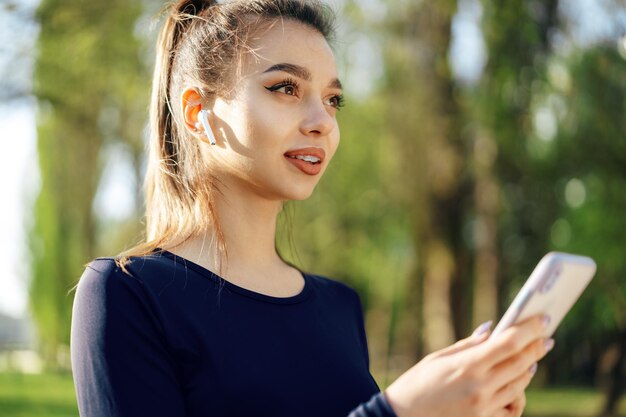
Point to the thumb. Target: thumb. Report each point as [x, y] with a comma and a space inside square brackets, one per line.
[483, 329]
[478, 336]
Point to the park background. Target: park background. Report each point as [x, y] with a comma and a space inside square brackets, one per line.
[478, 135]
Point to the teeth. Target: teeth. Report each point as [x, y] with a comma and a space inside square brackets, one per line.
[307, 158]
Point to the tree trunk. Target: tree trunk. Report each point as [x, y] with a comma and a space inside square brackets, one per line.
[615, 385]
[425, 120]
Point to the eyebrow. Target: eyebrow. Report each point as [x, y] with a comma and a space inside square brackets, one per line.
[300, 72]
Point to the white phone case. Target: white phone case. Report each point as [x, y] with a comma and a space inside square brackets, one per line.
[554, 286]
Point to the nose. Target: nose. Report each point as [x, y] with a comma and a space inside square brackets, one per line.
[317, 120]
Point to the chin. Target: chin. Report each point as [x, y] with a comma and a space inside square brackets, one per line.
[298, 192]
[300, 195]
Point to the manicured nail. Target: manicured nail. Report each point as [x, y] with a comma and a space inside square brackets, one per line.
[546, 320]
[533, 369]
[482, 329]
[549, 344]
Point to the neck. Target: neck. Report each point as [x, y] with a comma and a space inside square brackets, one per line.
[248, 225]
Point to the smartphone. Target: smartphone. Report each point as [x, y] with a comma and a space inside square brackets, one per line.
[554, 286]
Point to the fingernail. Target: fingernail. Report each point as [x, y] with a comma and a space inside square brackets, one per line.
[483, 328]
[549, 344]
[546, 320]
[533, 369]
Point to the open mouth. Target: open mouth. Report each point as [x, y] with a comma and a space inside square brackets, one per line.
[307, 158]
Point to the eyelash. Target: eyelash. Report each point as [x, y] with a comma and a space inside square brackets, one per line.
[290, 82]
[287, 82]
[340, 101]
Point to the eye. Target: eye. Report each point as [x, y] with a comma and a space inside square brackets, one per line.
[290, 90]
[288, 87]
[335, 101]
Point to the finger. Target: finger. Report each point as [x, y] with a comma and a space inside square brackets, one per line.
[508, 370]
[511, 341]
[515, 409]
[482, 329]
[503, 412]
[517, 406]
[510, 392]
[478, 336]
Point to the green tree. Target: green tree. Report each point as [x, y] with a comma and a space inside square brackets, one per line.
[555, 121]
[517, 42]
[586, 164]
[426, 119]
[87, 73]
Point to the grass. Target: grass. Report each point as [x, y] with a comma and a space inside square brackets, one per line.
[45, 395]
[566, 402]
[52, 395]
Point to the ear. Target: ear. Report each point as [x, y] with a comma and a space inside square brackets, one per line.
[191, 103]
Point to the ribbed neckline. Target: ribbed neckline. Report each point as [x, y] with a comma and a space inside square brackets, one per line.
[300, 297]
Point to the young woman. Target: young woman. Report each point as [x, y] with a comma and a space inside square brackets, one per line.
[204, 318]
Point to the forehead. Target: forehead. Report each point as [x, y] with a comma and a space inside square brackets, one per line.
[288, 41]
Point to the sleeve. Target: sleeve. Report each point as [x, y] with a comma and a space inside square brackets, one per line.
[120, 362]
[377, 406]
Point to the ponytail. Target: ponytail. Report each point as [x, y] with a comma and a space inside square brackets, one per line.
[179, 18]
[165, 177]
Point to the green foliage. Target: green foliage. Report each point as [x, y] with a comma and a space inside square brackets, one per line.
[585, 163]
[87, 68]
[516, 40]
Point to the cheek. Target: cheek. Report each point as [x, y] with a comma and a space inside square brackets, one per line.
[259, 124]
[262, 129]
[333, 142]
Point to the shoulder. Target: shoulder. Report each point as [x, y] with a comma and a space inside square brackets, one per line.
[333, 286]
[104, 280]
[339, 298]
[99, 274]
[142, 269]
[104, 276]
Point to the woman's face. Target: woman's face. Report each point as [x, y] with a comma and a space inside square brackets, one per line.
[277, 132]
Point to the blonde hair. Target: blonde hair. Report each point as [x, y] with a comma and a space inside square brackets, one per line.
[200, 43]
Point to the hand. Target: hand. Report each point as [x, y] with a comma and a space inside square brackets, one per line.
[516, 408]
[475, 377]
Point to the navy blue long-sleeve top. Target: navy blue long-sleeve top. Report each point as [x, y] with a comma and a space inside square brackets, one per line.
[173, 339]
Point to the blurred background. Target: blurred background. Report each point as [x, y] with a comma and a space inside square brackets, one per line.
[478, 135]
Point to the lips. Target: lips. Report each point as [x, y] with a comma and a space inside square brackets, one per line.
[307, 160]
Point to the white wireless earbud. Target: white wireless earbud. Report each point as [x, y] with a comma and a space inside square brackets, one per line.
[203, 115]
